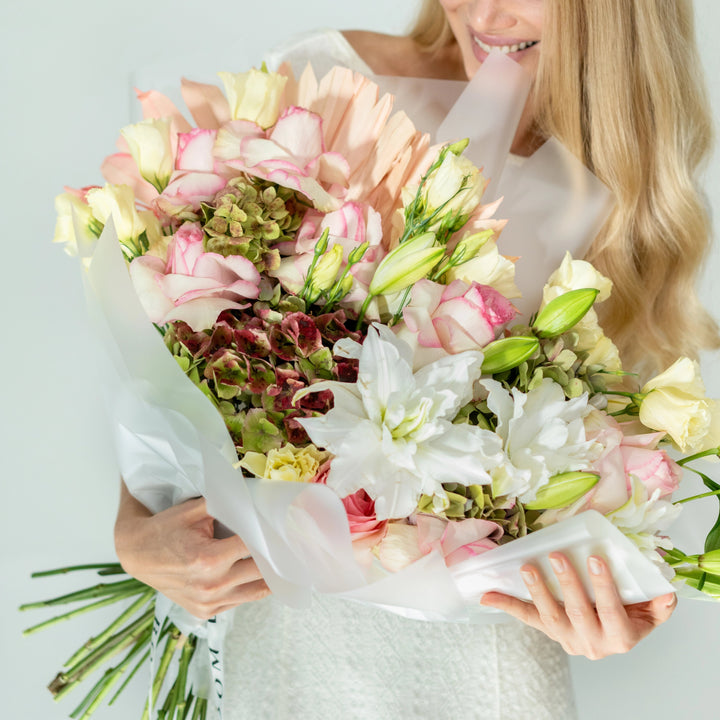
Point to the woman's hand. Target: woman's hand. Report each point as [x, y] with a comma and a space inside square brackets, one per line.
[581, 627]
[176, 553]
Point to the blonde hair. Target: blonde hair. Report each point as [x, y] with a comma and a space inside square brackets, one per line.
[619, 83]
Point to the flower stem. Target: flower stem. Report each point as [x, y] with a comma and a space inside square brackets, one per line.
[130, 676]
[78, 611]
[170, 646]
[65, 681]
[697, 497]
[91, 592]
[697, 456]
[99, 639]
[74, 568]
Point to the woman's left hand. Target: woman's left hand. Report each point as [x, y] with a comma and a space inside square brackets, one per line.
[595, 630]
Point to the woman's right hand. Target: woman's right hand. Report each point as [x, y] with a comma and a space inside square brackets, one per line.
[175, 552]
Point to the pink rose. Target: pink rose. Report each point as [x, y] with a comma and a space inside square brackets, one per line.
[360, 509]
[193, 285]
[651, 466]
[456, 540]
[624, 456]
[292, 154]
[456, 317]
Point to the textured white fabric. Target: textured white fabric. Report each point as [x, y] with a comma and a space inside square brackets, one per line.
[344, 660]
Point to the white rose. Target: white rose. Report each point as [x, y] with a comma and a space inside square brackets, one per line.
[254, 95]
[488, 267]
[444, 183]
[577, 274]
[118, 202]
[151, 148]
[74, 223]
[675, 402]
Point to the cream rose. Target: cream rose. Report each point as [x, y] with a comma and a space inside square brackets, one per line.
[254, 95]
[675, 402]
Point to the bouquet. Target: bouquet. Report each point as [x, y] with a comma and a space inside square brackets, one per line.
[332, 287]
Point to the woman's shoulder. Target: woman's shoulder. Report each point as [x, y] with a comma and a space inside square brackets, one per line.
[400, 55]
[385, 54]
[366, 52]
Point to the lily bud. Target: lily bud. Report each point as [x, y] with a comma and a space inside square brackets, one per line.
[254, 95]
[563, 490]
[151, 149]
[405, 265]
[564, 312]
[507, 353]
[710, 562]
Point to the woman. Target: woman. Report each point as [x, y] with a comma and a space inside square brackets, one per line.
[617, 83]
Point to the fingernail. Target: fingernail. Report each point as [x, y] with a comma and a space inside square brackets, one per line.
[558, 564]
[672, 600]
[528, 577]
[595, 566]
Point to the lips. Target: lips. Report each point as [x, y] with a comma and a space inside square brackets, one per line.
[514, 48]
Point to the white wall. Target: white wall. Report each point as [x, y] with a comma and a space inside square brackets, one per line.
[66, 73]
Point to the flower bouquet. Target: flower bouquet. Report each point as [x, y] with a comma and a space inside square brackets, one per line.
[310, 324]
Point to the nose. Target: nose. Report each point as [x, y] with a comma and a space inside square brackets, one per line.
[491, 15]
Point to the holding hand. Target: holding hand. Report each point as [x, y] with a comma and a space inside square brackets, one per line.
[581, 627]
[176, 553]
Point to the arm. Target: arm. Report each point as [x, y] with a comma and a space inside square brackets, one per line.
[581, 627]
[176, 553]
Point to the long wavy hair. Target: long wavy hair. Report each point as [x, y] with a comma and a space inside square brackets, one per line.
[620, 84]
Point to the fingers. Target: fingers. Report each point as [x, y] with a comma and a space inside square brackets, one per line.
[578, 608]
[650, 614]
[229, 550]
[550, 613]
[216, 603]
[523, 611]
[609, 606]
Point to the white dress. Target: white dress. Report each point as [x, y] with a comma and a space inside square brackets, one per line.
[344, 660]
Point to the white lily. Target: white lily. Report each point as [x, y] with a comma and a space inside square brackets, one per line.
[643, 516]
[391, 433]
[543, 435]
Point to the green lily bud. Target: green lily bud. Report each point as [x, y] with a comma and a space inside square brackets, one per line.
[405, 265]
[457, 148]
[710, 562]
[325, 272]
[563, 490]
[564, 312]
[507, 353]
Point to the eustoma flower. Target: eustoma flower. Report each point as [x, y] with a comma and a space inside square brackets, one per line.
[391, 433]
[150, 146]
[675, 402]
[193, 286]
[456, 317]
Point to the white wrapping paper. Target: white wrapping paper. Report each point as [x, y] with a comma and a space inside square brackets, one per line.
[170, 448]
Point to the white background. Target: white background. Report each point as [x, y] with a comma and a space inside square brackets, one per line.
[67, 68]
